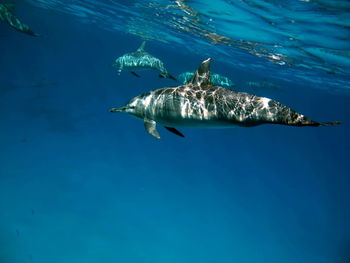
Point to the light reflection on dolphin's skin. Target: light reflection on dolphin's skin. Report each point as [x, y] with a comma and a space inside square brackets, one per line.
[201, 104]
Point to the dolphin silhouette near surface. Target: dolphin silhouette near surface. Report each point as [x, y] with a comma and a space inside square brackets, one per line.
[215, 79]
[141, 60]
[7, 15]
[201, 104]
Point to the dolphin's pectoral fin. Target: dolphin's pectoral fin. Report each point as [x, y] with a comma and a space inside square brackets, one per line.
[135, 74]
[167, 75]
[175, 131]
[172, 77]
[150, 126]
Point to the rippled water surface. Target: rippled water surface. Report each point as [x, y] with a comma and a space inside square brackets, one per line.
[308, 39]
[79, 184]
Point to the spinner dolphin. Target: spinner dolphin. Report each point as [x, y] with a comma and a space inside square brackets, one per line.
[141, 60]
[7, 15]
[201, 104]
[215, 79]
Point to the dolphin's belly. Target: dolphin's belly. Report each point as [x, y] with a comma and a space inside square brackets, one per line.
[184, 116]
[194, 123]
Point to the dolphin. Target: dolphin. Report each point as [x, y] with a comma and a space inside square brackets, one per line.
[264, 84]
[215, 79]
[7, 15]
[201, 104]
[141, 60]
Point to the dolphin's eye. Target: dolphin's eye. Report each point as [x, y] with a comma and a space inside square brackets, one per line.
[131, 107]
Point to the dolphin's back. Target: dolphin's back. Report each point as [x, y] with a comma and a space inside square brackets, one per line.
[139, 61]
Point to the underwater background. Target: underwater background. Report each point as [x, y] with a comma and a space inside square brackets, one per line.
[80, 184]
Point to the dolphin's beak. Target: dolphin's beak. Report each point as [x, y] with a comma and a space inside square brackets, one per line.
[120, 109]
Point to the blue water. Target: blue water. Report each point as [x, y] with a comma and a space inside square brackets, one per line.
[79, 184]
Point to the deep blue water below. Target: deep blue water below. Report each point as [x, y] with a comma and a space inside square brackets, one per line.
[81, 185]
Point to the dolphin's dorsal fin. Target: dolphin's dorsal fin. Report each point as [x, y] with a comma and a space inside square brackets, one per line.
[202, 74]
[142, 47]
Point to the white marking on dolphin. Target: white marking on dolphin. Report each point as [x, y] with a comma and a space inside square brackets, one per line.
[141, 60]
[201, 104]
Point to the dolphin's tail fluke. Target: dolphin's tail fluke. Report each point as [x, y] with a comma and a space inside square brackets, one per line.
[304, 121]
[31, 33]
[330, 123]
[287, 116]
